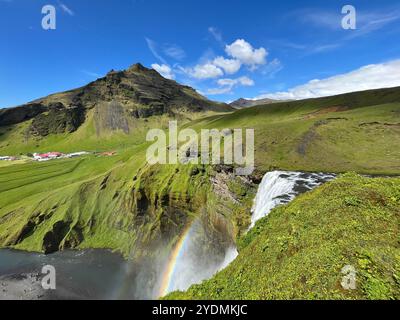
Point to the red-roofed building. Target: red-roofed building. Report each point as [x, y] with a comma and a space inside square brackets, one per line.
[47, 156]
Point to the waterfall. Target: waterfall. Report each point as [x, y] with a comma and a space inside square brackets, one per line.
[230, 255]
[281, 187]
[190, 264]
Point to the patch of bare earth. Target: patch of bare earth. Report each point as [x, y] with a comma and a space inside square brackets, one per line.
[323, 111]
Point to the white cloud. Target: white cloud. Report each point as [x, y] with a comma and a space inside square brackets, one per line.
[324, 48]
[216, 34]
[153, 47]
[367, 21]
[244, 52]
[217, 91]
[91, 73]
[227, 85]
[204, 71]
[66, 9]
[174, 51]
[374, 76]
[171, 50]
[213, 69]
[226, 82]
[244, 81]
[164, 70]
[241, 52]
[230, 66]
[272, 68]
[319, 18]
[371, 22]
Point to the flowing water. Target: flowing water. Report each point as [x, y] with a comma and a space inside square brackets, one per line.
[100, 274]
[281, 187]
[90, 274]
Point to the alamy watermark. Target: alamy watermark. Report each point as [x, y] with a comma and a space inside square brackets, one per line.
[190, 147]
[49, 279]
[49, 21]
[349, 21]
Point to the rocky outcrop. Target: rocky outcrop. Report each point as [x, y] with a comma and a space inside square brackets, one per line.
[57, 120]
[53, 238]
[111, 116]
[20, 114]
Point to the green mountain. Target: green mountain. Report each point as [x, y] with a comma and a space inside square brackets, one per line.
[115, 108]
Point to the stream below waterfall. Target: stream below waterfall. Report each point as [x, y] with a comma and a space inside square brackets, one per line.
[100, 274]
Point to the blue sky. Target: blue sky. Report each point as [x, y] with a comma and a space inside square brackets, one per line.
[224, 49]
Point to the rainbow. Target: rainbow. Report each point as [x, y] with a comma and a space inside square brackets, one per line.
[170, 268]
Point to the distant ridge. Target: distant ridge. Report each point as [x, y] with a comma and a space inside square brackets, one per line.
[246, 103]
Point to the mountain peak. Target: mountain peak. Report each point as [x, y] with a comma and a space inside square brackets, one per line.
[137, 67]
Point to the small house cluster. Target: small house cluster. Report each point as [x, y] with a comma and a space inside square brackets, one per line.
[57, 155]
[7, 158]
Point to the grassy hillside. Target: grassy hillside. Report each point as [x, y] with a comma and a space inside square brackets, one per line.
[37, 196]
[352, 132]
[299, 250]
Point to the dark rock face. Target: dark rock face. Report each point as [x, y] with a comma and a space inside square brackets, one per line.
[143, 203]
[58, 120]
[19, 114]
[111, 116]
[153, 110]
[52, 239]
